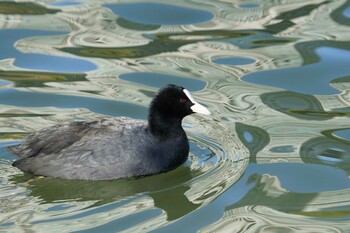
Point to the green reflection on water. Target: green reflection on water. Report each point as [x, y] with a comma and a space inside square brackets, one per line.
[136, 26]
[325, 214]
[161, 80]
[162, 188]
[171, 42]
[296, 104]
[254, 138]
[6, 115]
[24, 8]
[38, 79]
[12, 136]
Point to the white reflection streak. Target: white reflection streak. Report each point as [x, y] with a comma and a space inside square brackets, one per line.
[265, 219]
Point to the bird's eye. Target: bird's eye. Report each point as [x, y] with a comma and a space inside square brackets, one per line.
[182, 100]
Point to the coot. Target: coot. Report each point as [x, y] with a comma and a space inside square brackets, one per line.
[113, 148]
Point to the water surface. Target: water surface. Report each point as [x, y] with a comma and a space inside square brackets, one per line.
[273, 156]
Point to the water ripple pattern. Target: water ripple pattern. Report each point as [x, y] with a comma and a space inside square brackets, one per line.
[272, 157]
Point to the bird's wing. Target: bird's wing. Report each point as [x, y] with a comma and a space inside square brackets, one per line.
[53, 139]
[82, 150]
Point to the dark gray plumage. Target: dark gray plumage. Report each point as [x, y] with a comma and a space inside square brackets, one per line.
[113, 148]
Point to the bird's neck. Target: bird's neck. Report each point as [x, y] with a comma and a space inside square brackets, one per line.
[163, 126]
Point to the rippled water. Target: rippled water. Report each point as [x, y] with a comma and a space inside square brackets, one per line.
[273, 157]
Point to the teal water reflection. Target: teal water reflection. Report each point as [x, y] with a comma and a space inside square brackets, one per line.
[306, 177]
[33, 61]
[159, 13]
[107, 107]
[297, 105]
[3, 82]
[66, 3]
[13, 35]
[346, 12]
[161, 80]
[344, 133]
[254, 138]
[171, 42]
[22, 78]
[233, 61]
[332, 65]
[327, 151]
[247, 5]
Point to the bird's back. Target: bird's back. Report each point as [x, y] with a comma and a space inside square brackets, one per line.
[85, 150]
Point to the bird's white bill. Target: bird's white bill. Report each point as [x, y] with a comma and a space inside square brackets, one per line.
[196, 107]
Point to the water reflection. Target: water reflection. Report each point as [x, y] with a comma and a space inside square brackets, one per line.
[171, 42]
[136, 26]
[162, 188]
[342, 14]
[108, 107]
[160, 43]
[346, 12]
[274, 190]
[39, 79]
[233, 61]
[161, 80]
[24, 8]
[332, 65]
[65, 3]
[263, 219]
[13, 35]
[159, 13]
[254, 138]
[267, 159]
[330, 151]
[297, 105]
[303, 10]
[343, 133]
[34, 61]
[247, 5]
